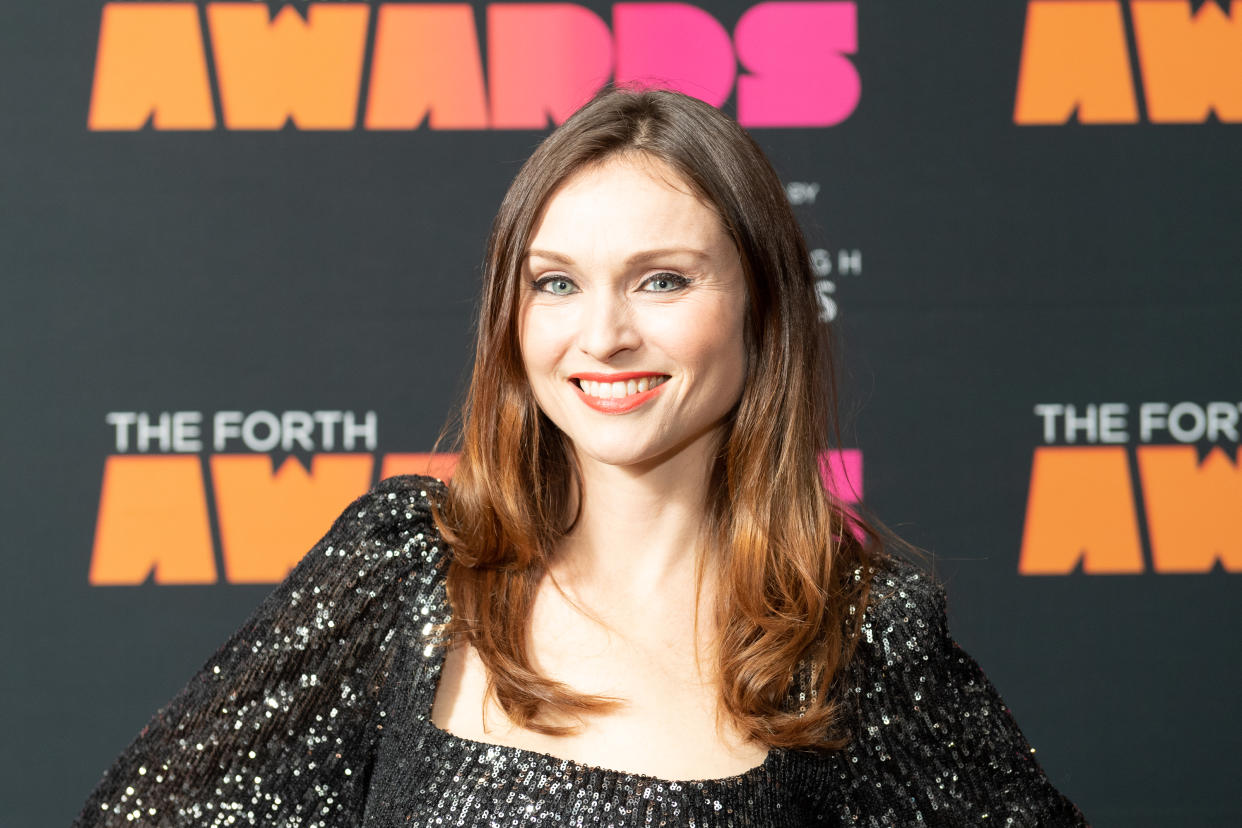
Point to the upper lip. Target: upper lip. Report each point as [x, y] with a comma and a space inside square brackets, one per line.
[621, 377]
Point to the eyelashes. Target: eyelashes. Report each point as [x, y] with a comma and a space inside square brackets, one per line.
[554, 285]
[673, 282]
[662, 282]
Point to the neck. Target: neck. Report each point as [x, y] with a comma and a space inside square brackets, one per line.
[640, 528]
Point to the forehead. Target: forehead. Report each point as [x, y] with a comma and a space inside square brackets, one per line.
[627, 201]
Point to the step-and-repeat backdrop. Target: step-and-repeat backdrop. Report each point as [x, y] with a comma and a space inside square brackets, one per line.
[241, 247]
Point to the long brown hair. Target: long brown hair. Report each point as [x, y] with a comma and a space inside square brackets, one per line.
[792, 570]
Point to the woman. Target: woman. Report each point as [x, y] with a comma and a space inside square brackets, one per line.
[635, 604]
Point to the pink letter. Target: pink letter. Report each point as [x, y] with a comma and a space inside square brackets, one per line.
[674, 46]
[544, 59]
[841, 471]
[795, 53]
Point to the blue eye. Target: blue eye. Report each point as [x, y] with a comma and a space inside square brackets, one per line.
[665, 283]
[555, 285]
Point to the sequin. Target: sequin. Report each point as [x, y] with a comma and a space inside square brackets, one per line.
[328, 725]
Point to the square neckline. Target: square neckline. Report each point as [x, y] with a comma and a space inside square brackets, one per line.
[435, 667]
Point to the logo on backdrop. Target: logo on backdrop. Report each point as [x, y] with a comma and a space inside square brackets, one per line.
[1077, 60]
[173, 472]
[1108, 471]
[829, 265]
[848, 264]
[184, 66]
[189, 498]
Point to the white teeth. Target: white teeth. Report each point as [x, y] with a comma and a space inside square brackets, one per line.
[618, 390]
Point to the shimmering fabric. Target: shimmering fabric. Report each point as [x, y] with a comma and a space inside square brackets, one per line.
[316, 714]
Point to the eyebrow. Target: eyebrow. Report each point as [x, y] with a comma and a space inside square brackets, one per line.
[637, 258]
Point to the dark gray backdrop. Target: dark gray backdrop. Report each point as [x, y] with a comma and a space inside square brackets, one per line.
[1002, 266]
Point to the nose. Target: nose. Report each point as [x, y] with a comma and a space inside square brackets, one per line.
[607, 326]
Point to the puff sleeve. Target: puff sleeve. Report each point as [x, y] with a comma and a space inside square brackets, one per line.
[280, 726]
[935, 744]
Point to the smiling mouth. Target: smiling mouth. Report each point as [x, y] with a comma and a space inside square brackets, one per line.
[618, 393]
[618, 389]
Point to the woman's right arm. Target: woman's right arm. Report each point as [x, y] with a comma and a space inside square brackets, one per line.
[280, 725]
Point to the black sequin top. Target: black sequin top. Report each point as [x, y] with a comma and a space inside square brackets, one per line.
[316, 714]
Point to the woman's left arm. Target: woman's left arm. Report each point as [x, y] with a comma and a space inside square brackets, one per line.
[937, 745]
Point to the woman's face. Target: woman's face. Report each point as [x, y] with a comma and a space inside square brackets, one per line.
[632, 313]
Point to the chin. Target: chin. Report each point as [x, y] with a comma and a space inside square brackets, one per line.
[620, 456]
[642, 455]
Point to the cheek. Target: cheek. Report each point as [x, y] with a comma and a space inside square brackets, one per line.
[712, 344]
[529, 346]
[541, 341]
[730, 364]
[730, 353]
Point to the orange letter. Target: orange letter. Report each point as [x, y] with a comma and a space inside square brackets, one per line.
[1074, 58]
[1191, 65]
[269, 521]
[1080, 508]
[150, 62]
[426, 65]
[544, 59]
[436, 465]
[152, 518]
[308, 70]
[1194, 512]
